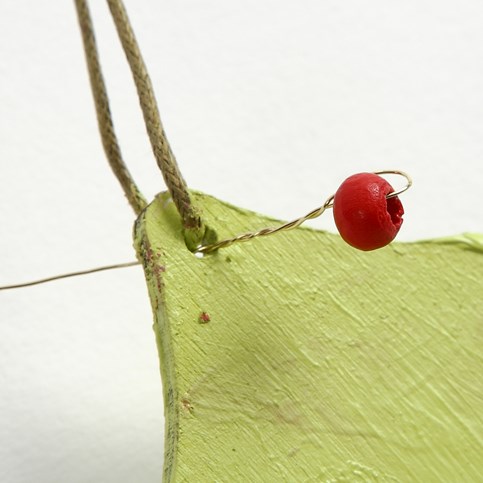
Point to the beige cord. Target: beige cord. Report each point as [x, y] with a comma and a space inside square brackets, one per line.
[103, 111]
[159, 143]
[190, 215]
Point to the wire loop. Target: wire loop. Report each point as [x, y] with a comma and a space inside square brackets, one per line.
[400, 173]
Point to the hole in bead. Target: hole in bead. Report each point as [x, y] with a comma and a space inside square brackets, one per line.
[395, 210]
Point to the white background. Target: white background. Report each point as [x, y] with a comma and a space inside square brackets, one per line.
[269, 105]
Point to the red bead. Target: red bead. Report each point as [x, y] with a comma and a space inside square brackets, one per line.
[364, 217]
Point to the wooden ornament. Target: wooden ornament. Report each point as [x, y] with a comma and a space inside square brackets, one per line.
[318, 362]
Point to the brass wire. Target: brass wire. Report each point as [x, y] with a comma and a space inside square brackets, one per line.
[204, 249]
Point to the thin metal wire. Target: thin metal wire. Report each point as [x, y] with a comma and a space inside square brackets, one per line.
[400, 173]
[296, 223]
[71, 274]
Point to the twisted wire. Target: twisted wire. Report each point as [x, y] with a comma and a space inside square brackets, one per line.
[266, 231]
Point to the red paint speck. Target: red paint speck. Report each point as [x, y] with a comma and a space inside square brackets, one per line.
[204, 318]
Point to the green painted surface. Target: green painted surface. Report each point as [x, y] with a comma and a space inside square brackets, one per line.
[319, 362]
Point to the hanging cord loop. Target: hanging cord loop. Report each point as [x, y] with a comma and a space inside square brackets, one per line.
[103, 111]
[194, 229]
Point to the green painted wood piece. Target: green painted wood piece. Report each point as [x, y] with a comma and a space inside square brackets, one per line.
[319, 362]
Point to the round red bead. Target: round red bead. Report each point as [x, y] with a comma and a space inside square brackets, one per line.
[364, 217]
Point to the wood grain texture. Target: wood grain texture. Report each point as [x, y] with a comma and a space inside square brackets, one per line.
[318, 362]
